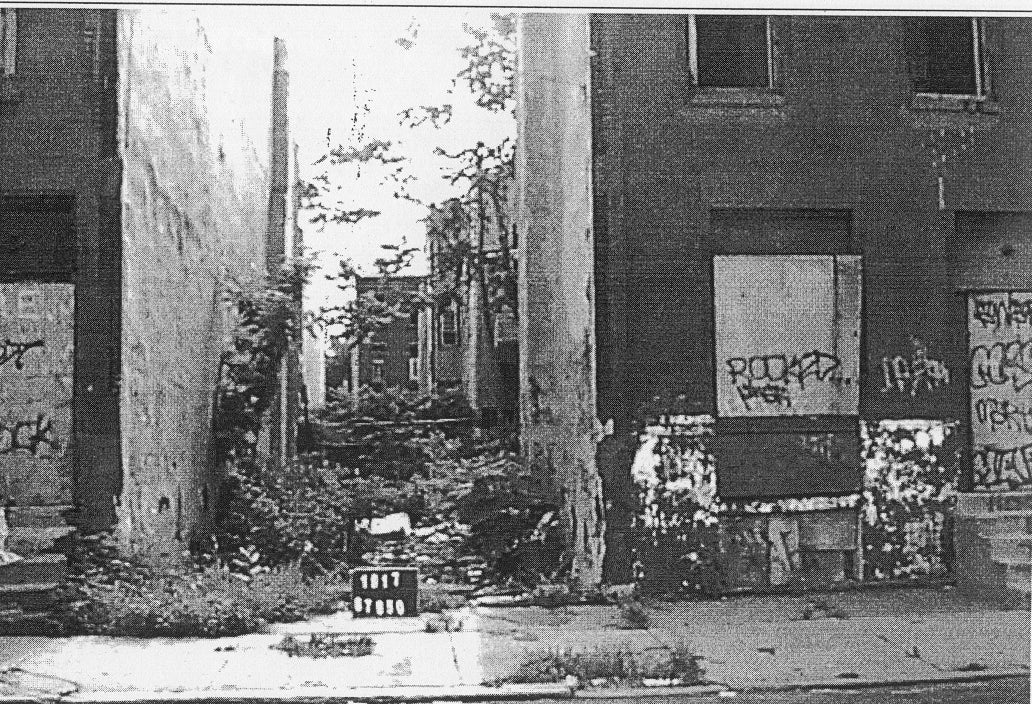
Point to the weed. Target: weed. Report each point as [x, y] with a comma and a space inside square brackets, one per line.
[679, 665]
[326, 645]
[634, 616]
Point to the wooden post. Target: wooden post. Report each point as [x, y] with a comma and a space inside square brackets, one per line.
[556, 277]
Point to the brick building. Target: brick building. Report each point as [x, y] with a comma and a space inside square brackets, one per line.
[390, 357]
[132, 197]
[804, 230]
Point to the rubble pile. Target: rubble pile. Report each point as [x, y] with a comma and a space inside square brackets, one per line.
[439, 551]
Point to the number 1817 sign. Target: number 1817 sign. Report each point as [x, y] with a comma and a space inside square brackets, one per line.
[384, 591]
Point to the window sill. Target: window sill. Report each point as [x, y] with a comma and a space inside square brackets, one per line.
[736, 98]
[939, 102]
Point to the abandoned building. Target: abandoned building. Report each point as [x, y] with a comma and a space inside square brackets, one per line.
[799, 319]
[134, 195]
[389, 357]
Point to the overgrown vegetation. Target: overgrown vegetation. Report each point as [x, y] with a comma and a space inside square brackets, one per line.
[112, 591]
[608, 666]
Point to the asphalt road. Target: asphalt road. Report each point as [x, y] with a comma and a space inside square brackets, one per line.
[1014, 690]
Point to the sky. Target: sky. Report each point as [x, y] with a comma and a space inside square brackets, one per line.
[350, 76]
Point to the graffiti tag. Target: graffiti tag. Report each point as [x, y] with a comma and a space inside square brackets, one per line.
[768, 377]
[994, 312]
[16, 351]
[916, 374]
[1002, 414]
[33, 436]
[1003, 468]
[1002, 364]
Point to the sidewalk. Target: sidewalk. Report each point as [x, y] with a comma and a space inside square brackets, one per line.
[745, 643]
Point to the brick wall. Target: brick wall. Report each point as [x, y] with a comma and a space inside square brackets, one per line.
[841, 136]
[195, 197]
[57, 134]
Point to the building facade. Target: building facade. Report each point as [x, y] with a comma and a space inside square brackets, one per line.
[468, 332]
[390, 357]
[131, 200]
[810, 242]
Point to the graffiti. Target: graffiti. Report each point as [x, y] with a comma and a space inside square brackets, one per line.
[823, 446]
[33, 436]
[768, 377]
[1000, 468]
[1002, 364]
[773, 394]
[16, 351]
[992, 311]
[1002, 414]
[916, 374]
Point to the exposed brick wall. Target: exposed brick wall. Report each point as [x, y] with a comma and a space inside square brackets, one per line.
[845, 138]
[194, 216]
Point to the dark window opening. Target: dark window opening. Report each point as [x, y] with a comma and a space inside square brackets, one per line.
[950, 61]
[449, 326]
[37, 238]
[730, 51]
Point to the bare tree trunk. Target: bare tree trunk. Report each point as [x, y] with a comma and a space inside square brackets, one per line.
[556, 277]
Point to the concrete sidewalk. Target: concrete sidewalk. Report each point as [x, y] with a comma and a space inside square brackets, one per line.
[745, 643]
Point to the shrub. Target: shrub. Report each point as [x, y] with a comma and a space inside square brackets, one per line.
[126, 596]
[304, 512]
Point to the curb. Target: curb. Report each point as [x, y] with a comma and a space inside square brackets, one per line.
[463, 693]
[944, 678]
[477, 693]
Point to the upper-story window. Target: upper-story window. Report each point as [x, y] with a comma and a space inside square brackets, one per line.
[951, 56]
[450, 325]
[8, 41]
[731, 51]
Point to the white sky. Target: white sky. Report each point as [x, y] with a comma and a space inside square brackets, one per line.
[342, 59]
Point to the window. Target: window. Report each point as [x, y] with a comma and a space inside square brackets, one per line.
[37, 238]
[413, 368]
[8, 41]
[378, 365]
[731, 51]
[413, 317]
[951, 56]
[449, 325]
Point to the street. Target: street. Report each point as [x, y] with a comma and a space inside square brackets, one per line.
[1012, 690]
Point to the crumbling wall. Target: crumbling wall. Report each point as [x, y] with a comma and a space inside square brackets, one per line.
[195, 198]
[556, 278]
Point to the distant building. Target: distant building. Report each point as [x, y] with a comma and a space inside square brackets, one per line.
[390, 357]
[132, 197]
[469, 342]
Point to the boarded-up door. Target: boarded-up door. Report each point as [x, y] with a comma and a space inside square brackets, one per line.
[1000, 343]
[787, 335]
[36, 357]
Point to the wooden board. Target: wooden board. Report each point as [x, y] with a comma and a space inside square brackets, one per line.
[787, 335]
